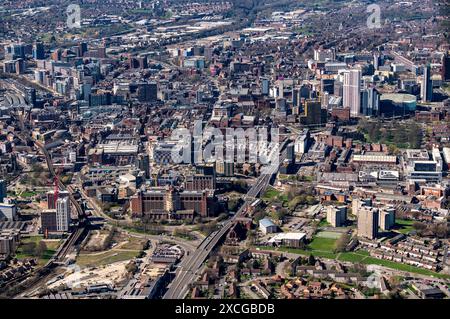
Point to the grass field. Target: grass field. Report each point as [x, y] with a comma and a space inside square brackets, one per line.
[272, 194]
[323, 223]
[52, 246]
[28, 194]
[355, 257]
[322, 244]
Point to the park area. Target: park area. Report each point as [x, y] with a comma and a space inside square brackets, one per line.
[273, 194]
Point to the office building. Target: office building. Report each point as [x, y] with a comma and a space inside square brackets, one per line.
[370, 102]
[3, 190]
[147, 92]
[314, 114]
[446, 67]
[427, 86]
[265, 86]
[327, 85]
[368, 222]
[351, 91]
[225, 168]
[38, 51]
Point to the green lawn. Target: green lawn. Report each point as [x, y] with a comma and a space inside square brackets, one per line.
[28, 194]
[322, 244]
[272, 194]
[355, 257]
[323, 223]
[404, 226]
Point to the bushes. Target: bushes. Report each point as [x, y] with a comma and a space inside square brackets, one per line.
[35, 250]
[208, 228]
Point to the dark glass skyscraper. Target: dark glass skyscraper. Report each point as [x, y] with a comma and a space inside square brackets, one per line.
[39, 51]
[427, 86]
[446, 67]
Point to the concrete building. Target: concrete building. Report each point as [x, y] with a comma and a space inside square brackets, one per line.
[266, 226]
[166, 201]
[387, 218]
[337, 216]
[9, 241]
[8, 211]
[288, 239]
[368, 222]
[51, 198]
[301, 143]
[358, 203]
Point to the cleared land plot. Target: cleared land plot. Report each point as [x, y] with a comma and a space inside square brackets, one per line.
[106, 258]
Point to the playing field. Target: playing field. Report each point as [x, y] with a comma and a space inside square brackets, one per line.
[329, 234]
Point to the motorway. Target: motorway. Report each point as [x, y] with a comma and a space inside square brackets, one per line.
[189, 268]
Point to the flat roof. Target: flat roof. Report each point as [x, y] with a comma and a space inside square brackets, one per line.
[287, 236]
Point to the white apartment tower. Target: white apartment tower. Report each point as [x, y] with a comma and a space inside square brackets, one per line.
[351, 91]
[63, 214]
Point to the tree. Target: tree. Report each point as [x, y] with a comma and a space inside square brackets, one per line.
[251, 236]
[419, 227]
[41, 249]
[342, 243]
[131, 267]
[29, 248]
[233, 204]
[311, 260]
